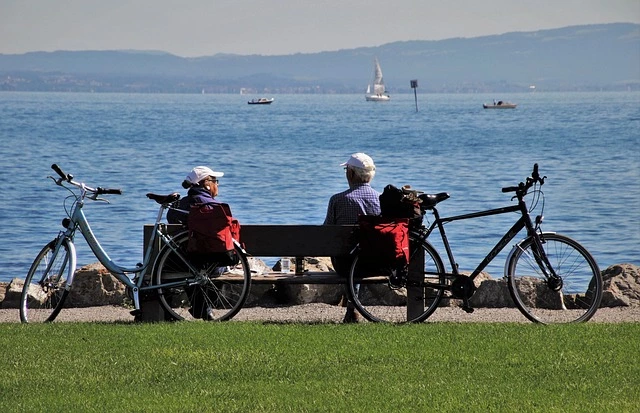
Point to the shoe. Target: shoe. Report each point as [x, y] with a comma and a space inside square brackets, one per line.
[209, 316]
[351, 316]
[205, 314]
[344, 301]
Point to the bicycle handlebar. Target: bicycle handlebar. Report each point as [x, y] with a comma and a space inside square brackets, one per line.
[107, 191]
[523, 187]
[69, 178]
[64, 176]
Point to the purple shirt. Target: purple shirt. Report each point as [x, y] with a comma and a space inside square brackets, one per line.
[199, 195]
[345, 207]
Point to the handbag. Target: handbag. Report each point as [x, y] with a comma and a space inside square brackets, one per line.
[384, 241]
[212, 230]
[401, 203]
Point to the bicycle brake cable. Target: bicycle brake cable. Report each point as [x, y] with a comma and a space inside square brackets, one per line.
[64, 204]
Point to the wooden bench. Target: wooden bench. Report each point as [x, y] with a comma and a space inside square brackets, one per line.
[287, 241]
[280, 241]
[275, 241]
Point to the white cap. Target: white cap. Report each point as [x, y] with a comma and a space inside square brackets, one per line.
[360, 160]
[199, 173]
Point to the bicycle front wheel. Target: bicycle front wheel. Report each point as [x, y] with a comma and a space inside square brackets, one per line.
[380, 299]
[572, 295]
[193, 289]
[44, 293]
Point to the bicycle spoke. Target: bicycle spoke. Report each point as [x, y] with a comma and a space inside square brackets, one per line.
[572, 295]
[44, 293]
[208, 289]
[380, 297]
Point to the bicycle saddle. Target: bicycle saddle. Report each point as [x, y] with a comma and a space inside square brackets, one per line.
[430, 200]
[164, 199]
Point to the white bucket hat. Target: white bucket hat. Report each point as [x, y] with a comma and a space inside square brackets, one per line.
[199, 173]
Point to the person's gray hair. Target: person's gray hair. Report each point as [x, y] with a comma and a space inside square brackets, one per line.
[362, 175]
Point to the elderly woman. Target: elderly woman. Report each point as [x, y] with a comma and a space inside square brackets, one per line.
[202, 183]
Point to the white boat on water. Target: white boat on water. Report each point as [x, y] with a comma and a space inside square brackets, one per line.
[379, 93]
[261, 101]
[499, 105]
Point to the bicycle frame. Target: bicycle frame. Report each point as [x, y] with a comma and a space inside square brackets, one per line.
[523, 222]
[79, 221]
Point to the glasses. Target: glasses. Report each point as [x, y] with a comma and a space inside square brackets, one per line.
[214, 180]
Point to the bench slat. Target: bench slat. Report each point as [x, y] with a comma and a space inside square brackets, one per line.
[298, 240]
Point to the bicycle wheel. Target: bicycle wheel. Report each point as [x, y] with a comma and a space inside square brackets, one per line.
[44, 293]
[379, 299]
[210, 290]
[573, 297]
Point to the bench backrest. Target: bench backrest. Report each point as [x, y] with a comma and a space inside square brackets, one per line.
[288, 240]
[298, 240]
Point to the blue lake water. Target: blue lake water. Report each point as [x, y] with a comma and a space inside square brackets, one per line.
[281, 162]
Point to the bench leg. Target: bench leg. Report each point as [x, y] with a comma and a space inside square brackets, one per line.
[415, 295]
[152, 311]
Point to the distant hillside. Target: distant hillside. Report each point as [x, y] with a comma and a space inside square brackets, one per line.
[592, 57]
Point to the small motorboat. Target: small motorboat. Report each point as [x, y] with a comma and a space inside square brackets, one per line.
[261, 101]
[499, 105]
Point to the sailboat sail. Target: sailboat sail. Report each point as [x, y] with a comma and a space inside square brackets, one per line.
[378, 82]
[379, 92]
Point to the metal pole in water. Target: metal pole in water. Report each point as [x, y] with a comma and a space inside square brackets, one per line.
[414, 86]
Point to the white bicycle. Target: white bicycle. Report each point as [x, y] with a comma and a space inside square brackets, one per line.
[179, 282]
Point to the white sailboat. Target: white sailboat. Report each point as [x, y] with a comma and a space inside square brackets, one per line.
[379, 93]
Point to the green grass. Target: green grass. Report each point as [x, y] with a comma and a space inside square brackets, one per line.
[253, 367]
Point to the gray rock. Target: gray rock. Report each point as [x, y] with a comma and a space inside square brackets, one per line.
[492, 294]
[296, 294]
[13, 293]
[3, 291]
[93, 285]
[621, 285]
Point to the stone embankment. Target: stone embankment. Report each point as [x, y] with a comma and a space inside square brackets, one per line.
[95, 286]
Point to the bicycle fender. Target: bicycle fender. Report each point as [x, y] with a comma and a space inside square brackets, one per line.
[237, 244]
[72, 263]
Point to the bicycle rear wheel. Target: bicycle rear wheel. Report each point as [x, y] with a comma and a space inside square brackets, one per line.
[211, 291]
[574, 296]
[44, 293]
[379, 299]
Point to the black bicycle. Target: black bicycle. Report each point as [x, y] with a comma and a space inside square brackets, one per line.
[551, 278]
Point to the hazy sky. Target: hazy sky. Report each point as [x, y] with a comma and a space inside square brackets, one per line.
[270, 27]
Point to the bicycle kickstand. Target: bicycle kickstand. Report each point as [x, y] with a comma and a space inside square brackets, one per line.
[136, 302]
[466, 306]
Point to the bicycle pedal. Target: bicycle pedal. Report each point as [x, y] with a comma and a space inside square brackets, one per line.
[396, 282]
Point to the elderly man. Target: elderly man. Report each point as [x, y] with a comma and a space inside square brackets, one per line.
[345, 207]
